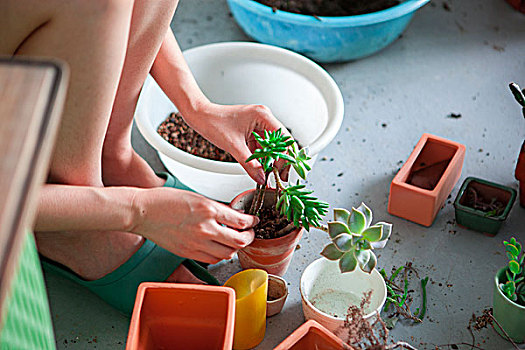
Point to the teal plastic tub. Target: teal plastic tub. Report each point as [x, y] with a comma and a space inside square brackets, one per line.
[481, 221]
[325, 39]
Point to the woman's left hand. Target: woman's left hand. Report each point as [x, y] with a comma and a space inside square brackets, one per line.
[230, 128]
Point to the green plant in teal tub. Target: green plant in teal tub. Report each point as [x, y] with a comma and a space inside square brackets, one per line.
[509, 293]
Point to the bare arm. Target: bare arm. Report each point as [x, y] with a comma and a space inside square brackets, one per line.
[183, 222]
[83, 208]
[229, 127]
[175, 78]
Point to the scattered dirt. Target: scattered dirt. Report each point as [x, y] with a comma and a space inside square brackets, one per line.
[272, 225]
[454, 115]
[175, 130]
[330, 8]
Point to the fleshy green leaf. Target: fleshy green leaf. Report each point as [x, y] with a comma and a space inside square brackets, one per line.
[362, 257]
[331, 252]
[387, 230]
[341, 215]
[518, 94]
[357, 221]
[512, 249]
[299, 169]
[373, 233]
[372, 262]
[348, 262]
[367, 213]
[514, 267]
[343, 242]
[336, 228]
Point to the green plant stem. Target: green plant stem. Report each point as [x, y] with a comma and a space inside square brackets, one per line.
[278, 183]
[394, 275]
[254, 200]
[424, 282]
[405, 293]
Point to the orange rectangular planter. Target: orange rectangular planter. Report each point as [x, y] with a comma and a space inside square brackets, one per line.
[182, 316]
[311, 336]
[426, 179]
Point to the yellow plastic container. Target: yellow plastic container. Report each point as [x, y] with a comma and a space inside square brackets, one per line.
[251, 288]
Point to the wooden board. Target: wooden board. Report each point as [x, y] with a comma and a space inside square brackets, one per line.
[31, 98]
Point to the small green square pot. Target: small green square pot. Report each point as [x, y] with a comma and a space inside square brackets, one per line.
[478, 220]
[510, 315]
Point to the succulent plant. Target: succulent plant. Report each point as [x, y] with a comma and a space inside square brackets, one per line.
[294, 201]
[519, 95]
[353, 238]
[514, 287]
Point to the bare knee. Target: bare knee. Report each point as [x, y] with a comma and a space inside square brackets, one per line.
[99, 8]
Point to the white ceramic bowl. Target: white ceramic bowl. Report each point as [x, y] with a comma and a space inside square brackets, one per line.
[322, 278]
[299, 92]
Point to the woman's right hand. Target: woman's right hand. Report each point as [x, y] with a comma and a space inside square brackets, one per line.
[190, 225]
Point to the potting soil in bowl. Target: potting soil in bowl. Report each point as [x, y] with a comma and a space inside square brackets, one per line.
[330, 8]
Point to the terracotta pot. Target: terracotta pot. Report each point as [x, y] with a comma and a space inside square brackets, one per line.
[520, 174]
[479, 220]
[326, 294]
[309, 336]
[272, 255]
[278, 291]
[518, 5]
[166, 314]
[422, 185]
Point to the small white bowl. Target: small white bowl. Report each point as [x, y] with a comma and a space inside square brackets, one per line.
[299, 92]
[322, 277]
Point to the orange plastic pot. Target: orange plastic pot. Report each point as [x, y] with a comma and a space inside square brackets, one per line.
[518, 5]
[311, 336]
[520, 174]
[272, 255]
[424, 182]
[182, 316]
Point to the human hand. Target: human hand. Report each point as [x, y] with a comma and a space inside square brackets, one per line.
[190, 225]
[231, 127]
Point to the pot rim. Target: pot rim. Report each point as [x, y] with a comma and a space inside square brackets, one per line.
[281, 280]
[496, 282]
[402, 9]
[304, 66]
[247, 192]
[477, 212]
[305, 299]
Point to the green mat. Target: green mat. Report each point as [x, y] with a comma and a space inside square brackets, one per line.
[27, 320]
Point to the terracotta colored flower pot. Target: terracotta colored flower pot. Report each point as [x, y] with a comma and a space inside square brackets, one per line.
[479, 220]
[277, 292]
[520, 174]
[272, 255]
[518, 5]
[310, 336]
[173, 314]
[510, 315]
[420, 188]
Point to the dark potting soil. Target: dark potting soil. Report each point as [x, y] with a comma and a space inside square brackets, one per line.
[476, 200]
[175, 130]
[330, 8]
[272, 224]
